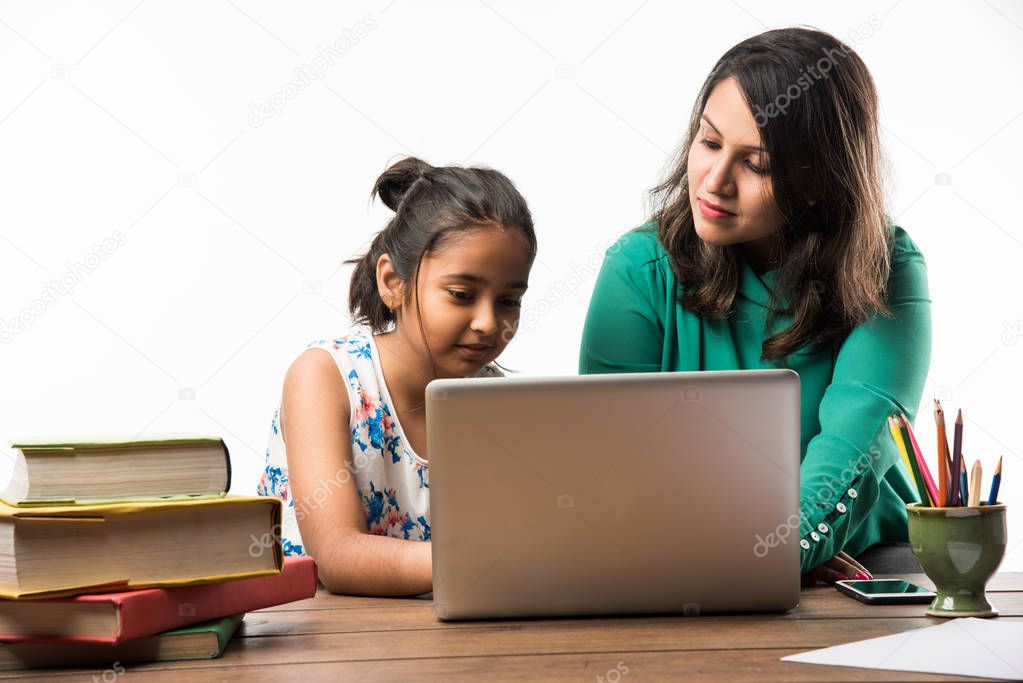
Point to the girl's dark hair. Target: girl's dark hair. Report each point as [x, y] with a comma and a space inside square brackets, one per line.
[430, 203]
[815, 105]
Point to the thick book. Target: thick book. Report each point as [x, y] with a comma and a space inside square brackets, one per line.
[200, 641]
[103, 469]
[73, 549]
[112, 618]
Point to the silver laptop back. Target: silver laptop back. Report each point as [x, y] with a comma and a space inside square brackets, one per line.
[615, 494]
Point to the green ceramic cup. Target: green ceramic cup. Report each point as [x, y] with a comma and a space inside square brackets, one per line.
[959, 548]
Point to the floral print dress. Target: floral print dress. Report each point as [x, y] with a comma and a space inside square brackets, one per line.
[391, 479]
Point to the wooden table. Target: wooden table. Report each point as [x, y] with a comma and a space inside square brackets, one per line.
[338, 638]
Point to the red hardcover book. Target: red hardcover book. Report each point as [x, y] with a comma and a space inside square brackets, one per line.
[112, 618]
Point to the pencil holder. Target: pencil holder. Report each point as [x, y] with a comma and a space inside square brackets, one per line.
[959, 548]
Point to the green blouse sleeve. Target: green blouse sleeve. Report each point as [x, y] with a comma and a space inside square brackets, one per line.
[879, 371]
[623, 332]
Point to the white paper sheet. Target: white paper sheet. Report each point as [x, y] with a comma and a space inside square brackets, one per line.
[967, 647]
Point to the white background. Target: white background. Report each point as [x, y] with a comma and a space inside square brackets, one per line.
[131, 122]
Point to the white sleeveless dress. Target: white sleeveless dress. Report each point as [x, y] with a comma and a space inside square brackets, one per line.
[391, 479]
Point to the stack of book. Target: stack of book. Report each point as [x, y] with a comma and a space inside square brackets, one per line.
[124, 550]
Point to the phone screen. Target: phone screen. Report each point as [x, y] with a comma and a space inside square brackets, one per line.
[885, 586]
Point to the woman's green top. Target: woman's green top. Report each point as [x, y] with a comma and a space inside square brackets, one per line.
[853, 483]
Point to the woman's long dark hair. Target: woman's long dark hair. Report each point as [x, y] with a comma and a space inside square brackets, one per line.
[815, 105]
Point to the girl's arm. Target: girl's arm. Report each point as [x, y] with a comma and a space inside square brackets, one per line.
[327, 506]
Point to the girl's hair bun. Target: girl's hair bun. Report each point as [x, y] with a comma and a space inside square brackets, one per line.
[393, 183]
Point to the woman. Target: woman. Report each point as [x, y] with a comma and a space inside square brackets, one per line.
[769, 246]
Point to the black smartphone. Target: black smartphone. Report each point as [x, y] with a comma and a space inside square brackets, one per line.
[885, 592]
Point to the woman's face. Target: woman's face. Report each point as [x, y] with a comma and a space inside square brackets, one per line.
[728, 169]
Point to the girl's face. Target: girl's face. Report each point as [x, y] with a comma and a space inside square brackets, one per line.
[728, 168]
[470, 292]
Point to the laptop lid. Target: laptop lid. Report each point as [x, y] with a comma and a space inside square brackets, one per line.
[668, 492]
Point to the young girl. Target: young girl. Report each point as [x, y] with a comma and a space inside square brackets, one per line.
[438, 295]
[770, 246]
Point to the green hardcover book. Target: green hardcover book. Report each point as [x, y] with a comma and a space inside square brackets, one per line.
[200, 641]
[101, 469]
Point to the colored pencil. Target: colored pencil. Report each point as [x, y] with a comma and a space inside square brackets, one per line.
[964, 484]
[944, 460]
[995, 481]
[914, 473]
[976, 474]
[897, 438]
[921, 462]
[957, 456]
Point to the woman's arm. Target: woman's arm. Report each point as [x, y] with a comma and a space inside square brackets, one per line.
[327, 506]
[880, 370]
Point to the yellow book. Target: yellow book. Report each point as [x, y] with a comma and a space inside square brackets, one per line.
[69, 549]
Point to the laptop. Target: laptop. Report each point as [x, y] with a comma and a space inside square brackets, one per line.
[638, 493]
